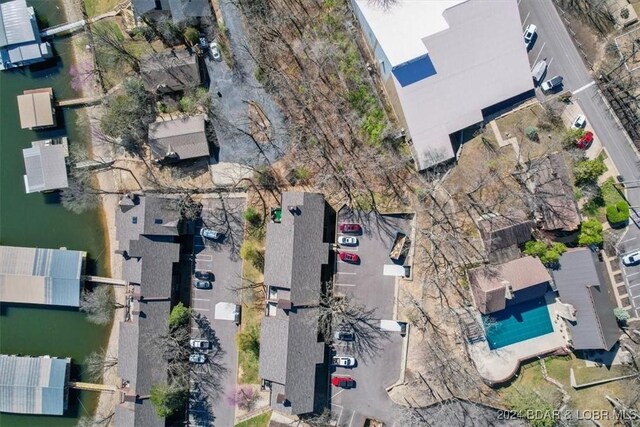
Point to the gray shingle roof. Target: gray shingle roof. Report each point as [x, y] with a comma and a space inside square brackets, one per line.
[34, 385]
[169, 71]
[556, 205]
[179, 9]
[147, 215]
[289, 347]
[40, 276]
[185, 137]
[503, 231]
[581, 284]
[46, 168]
[295, 251]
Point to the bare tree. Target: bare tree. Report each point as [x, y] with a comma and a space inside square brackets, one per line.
[98, 363]
[99, 304]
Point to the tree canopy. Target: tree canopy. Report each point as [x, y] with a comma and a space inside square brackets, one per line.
[590, 233]
[167, 400]
[179, 316]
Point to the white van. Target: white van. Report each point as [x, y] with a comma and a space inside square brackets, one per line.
[539, 70]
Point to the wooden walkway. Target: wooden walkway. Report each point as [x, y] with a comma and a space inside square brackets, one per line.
[78, 101]
[92, 387]
[105, 280]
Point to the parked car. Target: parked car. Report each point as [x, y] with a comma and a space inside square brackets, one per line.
[529, 34]
[551, 84]
[210, 233]
[343, 382]
[350, 228]
[236, 314]
[197, 358]
[199, 343]
[215, 51]
[579, 122]
[620, 179]
[344, 335]
[349, 257]
[539, 70]
[344, 361]
[203, 275]
[631, 258]
[348, 240]
[202, 284]
[203, 43]
[586, 140]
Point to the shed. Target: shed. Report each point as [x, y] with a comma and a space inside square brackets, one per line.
[36, 109]
[34, 385]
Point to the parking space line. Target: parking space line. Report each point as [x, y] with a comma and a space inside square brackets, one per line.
[628, 240]
[201, 309]
[636, 284]
[637, 296]
[343, 284]
[587, 86]
[345, 272]
[351, 420]
[201, 299]
[550, 61]
[633, 274]
[348, 249]
[341, 390]
[524, 22]
[539, 53]
[341, 410]
[204, 257]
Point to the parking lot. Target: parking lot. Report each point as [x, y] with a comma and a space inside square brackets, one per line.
[631, 273]
[377, 367]
[220, 257]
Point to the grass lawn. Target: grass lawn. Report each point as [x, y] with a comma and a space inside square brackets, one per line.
[589, 374]
[591, 398]
[98, 7]
[252, 313]
[609, 196]
[258, 421]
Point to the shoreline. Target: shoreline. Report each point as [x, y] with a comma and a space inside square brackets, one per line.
[107, 181]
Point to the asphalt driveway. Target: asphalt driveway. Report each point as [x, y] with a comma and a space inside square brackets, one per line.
[365, 283]
[220, 257]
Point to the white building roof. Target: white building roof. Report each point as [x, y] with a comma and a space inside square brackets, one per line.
[46, 168]
[478, 56]
[401, 27]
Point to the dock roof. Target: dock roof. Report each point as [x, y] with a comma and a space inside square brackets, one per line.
[15, 25]
[46, 168]
[35, 110]
[40, 276]
[34, 385]
[179, 139]
[581, 284]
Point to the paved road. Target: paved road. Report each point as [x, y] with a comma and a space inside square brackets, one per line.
[555, 44]
[221, 258]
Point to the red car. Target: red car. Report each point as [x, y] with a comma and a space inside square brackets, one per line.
[343, 382]
[350, 228]
[586, 140]
[349, 257]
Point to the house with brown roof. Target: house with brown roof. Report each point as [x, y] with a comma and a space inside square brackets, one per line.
[170, 71]
[36, 109]
[497, 286]
[179, 139]
[555, 203]
[502, 234]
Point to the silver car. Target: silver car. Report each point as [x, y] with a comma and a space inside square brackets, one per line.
[209, 233]
[348, 240]
[215, 51]
[344, 361]
[197, 358]
[199, 343]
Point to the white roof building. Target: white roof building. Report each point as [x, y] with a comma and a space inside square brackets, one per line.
[46, 167]
[444, 63]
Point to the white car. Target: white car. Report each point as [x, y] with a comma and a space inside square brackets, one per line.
[199, 343]
[197, 358]
[215, 51]
[348, 240]
[579, 122]
[529, 34]
[344, 361]
[631, 258]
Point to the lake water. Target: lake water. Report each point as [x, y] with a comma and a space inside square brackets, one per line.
[37, 220]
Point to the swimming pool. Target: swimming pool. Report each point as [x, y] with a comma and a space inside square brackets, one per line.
[517, 323]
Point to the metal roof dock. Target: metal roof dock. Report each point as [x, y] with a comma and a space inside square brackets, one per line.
[45, 165]
[36, 109]
[20, 43]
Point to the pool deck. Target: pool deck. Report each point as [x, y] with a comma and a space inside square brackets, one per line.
[498, 366]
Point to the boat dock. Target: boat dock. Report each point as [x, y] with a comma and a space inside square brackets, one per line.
[78, 101]
[105, 280]
[92, 387]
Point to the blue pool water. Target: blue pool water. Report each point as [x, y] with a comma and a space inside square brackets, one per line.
[517, 323]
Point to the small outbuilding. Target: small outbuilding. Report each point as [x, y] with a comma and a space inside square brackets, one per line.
[36, 109]
[179, 139]
[34, 385]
